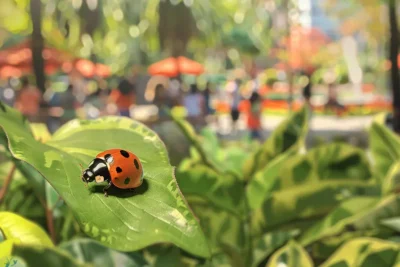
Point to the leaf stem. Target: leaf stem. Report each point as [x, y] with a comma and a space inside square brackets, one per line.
[50, 224]
[248, 234]
[7, 182]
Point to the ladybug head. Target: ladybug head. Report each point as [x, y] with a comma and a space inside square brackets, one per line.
[88, 176]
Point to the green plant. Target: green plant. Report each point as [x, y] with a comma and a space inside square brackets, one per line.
[256, 204]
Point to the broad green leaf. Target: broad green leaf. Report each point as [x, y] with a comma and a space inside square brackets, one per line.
[169, 257]
[303, 202]
[290, 135]
[155, 212]
[228, 158]
[268, 243]
[52, 196]
[219, 225]
[23, 231]
[380, 118]
[5, 249]
[194, 139]
[89, 251]
[40, 132]
[291, 255]
[392, 223]
[324, 248]
[265, 181]
[32, 256]
[20, 198]
[366, 252]
[221, 190]
[332, 161]
[391, 182]
[359, 214]
[385, 148]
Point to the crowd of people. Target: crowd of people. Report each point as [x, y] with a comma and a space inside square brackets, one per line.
[55, 107]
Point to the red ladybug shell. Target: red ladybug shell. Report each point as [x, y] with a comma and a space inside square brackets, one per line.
[125, 168]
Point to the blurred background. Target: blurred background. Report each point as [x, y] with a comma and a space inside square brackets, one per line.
[238, 67]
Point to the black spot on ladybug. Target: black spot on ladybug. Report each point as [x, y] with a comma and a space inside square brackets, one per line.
[136, 164]
[119, 170]
[124, 153]
[127, 180]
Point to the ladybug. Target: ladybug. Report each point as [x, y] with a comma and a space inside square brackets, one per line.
[118, 167]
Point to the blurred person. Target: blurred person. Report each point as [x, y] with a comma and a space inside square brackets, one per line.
[235, 101]
[69, 104]
[254, 116]
[193, 102]
[161, 101]
[7, 93]
[207, 99]
[28, 101]
[307, 91]
[98, 100]
[332, 103]
[123, 97]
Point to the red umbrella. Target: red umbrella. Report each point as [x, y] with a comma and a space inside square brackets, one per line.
[172, 67]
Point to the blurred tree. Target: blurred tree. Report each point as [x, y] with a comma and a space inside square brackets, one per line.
[37, 44]
[369, 18]
[393, 55]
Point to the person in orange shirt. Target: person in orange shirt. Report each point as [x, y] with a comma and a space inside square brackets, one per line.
[28, 101]
[123, 97]
[254, 116]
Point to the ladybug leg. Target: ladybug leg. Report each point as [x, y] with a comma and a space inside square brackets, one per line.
[106, 188]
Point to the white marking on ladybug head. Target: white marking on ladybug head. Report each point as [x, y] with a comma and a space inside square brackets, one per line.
[110, 159]
[99, 179]
[89, 173]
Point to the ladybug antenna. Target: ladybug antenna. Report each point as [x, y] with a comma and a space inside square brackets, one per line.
[86, 183]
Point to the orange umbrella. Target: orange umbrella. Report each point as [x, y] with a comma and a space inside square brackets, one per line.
[20, 56]
[172, 67]
[89, 69]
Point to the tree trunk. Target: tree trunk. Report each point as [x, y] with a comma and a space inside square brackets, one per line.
[37, 45]
[289, 71]
[394, 74]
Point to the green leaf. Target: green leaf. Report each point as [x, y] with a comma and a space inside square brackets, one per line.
[155, 212]
[191, 135]
[393, 223]
[291, 255]
[23, 231]
[268, 243]
[303, 202]
[385, 148]
[220, 190]
[265, 181]
[5, 249]
[358, 214]
[290, 135]
[43, 256]
[169, 257]
[219, 225]
[366, 252]
[332, 161]
[391, 183]
[89, 251]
